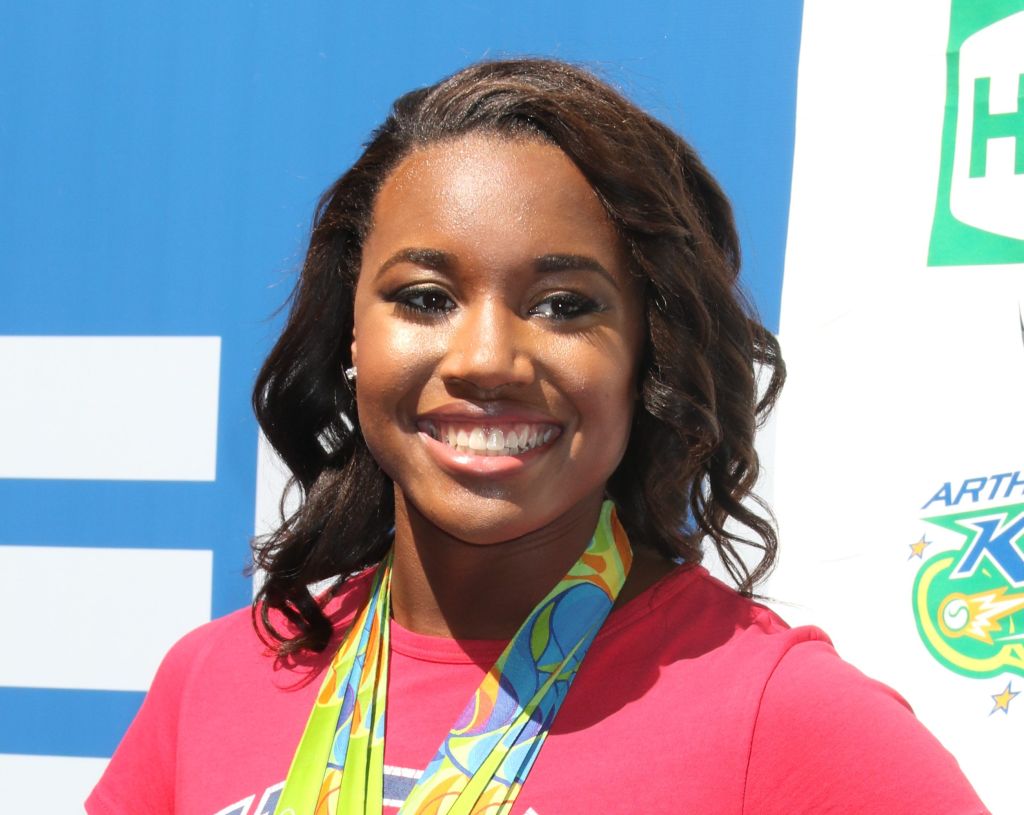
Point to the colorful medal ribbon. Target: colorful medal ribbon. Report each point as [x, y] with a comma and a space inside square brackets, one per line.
[338, 768]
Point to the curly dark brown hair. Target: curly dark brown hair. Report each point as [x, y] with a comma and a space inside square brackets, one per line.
[690, 465]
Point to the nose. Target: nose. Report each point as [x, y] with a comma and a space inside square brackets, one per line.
[488, 348]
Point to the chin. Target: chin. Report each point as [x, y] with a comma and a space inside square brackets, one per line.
[481, 519]
[488, 514]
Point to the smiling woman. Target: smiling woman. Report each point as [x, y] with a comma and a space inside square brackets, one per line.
[551, 413]
[531, 326]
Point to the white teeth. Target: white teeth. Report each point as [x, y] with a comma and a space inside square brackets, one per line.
[495, 440]
[491, 441]
[477, 440]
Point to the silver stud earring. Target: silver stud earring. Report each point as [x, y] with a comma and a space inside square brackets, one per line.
[350, 375]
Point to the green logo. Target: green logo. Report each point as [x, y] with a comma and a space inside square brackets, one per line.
[979, 212]
[969, 603]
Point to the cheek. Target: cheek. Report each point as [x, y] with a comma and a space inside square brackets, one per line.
[384, 420]
[386, 341]
[395, 361]
[600, 378]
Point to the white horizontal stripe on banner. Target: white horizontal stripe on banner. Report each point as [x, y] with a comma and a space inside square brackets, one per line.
[61, 783]
[114, 612]
[135, 408]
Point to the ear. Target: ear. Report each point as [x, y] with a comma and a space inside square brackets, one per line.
[353, 348]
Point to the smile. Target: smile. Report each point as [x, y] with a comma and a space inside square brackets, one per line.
[491, 440]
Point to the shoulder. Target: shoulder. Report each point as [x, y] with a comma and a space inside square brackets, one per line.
[220, 687]
[130, 783]
[226, 635]
[697, 614]
[239, 644]
[828, 738]
[792, 727]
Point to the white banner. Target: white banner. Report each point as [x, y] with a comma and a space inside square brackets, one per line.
[899, 471]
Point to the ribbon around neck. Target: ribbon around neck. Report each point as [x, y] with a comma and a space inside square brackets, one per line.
[338, 768]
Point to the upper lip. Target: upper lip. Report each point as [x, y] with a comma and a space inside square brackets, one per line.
[493, 412]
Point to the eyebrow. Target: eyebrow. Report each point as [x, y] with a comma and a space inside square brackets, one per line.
[572, 263]
[546, 264]
[430, 258]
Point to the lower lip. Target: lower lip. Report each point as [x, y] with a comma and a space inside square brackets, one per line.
[458, 462]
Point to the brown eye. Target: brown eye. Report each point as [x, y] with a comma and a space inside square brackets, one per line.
[565, 306]
[425, 299]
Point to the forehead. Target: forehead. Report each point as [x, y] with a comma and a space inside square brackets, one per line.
[493, 195]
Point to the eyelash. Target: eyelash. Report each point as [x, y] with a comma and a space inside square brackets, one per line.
[577, 304]
[404, 300]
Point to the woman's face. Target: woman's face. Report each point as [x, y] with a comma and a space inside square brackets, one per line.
[497, 337]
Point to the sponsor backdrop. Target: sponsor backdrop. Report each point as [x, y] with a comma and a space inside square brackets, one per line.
[899, 474]
[160, 166]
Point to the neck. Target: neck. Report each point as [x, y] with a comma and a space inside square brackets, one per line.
[444, 586]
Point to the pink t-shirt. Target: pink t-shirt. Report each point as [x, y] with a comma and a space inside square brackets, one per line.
[691, 699]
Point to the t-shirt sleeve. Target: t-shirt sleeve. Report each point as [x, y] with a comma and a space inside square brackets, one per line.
[141, 773]
[829, 740]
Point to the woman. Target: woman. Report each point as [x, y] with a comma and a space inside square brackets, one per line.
[518, 390]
